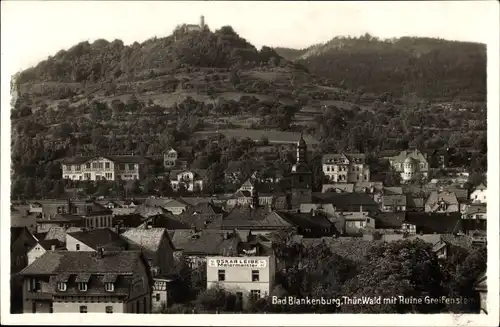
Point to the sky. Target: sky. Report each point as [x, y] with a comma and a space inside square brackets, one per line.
[33, 30]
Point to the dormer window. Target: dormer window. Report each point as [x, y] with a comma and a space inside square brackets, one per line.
[61, 286]
[109, 287]
[82, 287]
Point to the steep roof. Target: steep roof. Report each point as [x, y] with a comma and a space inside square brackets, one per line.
[398, 200]
[211, 243]
[248, 213]
[147, 238]
[476, 208]
[393, 190]
[344, 187]
[405, 154]
[306, 220]
[341, 157]
[270, 221]
[447, 197]
[100, 238]
[440, 223]
[59, 233]
[74, 262]
[480, 187]
[168, 221]
[47, 244]
[389, 219]
[133, 220]
[62, 218]
[344, 200]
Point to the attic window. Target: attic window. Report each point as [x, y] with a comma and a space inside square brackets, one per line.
[61, 287]
[109, 287]
[82, 287]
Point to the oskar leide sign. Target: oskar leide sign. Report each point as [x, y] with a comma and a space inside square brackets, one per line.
[237, 262]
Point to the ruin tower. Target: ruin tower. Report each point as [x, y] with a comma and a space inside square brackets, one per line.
[202, 22]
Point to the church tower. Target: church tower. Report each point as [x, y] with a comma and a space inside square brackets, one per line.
[301, 177]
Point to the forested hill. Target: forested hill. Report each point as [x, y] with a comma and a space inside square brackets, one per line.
[430, 68]
[104, 61]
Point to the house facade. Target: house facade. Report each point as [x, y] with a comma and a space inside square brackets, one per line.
[411, 165]
[192, 180]
[170, 158]
[442, 202]
[246, 276]
[346, 168]
[126, 167]
[479, 194]
[88, 282]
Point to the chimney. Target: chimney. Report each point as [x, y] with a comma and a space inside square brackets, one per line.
[101, 253]
[313, 212]
[53, 247]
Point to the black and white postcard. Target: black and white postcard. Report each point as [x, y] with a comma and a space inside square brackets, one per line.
[250, 163]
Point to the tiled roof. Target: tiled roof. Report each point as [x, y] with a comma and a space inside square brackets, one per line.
[436, 197]
[389, 219]
[180, 236]
[146, 211]
[344, 200]
[248, 213]
[344, 187]
[305, 220]
[73, 262]
[47, 244]
[167, 221]
[127, 221]
[351, 157]
[242, 194]
[480, 187]
[123, 211]
[191, 200]
[271, 221]
[101, 238]
[476, 208]
[148, 238]
[405, 154]
[59, 233]
[413, 202]
[440, 223]
[398, 200]
[175, 203]
[211, 243]
[392, 190]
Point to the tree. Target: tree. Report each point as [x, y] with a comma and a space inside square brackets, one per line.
[406, 268]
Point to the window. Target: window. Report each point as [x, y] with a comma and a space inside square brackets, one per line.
[88, 165]
[255, 294]
[51, 307]
[61, 287]
[137, 306]
[82, 287]
[94, 165]
[109, 309]
[255, 275]
[222, 275]
[100, 165]
[109, 176]
[78, 247]
[78, 167]
[33, 307]
[83, 309]
[110, 287]
[107, 165]
[131, 166]
[157, 297]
